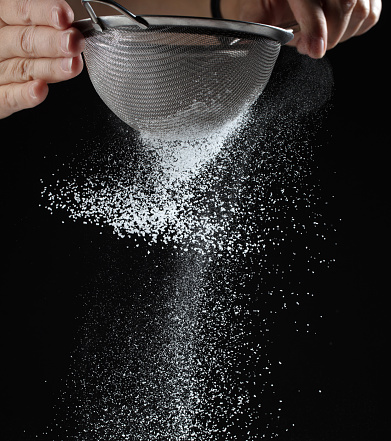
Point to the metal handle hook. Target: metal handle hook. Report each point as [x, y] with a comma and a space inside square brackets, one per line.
[139, 21]
[292, 26]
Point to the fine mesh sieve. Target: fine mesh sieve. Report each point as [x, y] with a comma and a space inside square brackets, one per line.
[178, 77]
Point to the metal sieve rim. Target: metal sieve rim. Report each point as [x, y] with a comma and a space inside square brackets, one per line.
[256, 29]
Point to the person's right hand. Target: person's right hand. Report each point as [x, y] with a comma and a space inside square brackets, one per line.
[323, 23]
[37, 46]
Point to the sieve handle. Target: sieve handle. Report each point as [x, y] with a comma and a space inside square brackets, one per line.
[291, 26]
[139, 21]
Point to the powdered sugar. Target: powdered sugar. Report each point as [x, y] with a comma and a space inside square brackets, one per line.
[152, 195]
[185, 356]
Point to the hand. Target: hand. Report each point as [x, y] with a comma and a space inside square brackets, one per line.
[323, 24]
[37, 47]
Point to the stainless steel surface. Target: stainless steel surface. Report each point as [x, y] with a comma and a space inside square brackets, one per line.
[182, 77]
[257, 29]
[135, 19]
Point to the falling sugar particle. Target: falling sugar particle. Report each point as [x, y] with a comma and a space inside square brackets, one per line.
[173, 363]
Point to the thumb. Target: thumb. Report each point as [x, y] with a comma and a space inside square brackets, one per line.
[311, 18]
[19, 96]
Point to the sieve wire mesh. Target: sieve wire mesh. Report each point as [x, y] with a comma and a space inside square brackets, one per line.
[178, 81]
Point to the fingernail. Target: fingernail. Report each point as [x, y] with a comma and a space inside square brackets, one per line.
[66, 64]
[56, 16]
[318, 48]
[65, 38]
[322, 47]
[32, 92]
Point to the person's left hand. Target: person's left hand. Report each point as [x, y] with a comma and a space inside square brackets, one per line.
[37, 46]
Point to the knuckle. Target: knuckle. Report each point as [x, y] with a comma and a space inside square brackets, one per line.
[17, 70]
[27, 37]
[361, 10]
[347, 6]
[374, 15]
[24, 11]
[24, 69]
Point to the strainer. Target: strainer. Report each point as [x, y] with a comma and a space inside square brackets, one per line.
[178, 77]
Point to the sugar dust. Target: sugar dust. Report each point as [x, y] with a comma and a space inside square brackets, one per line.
[187, 352]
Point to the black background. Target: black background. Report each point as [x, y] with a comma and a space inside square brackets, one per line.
[46, 261]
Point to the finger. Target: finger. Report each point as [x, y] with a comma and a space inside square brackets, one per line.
[364, 16]
[51, 70]
[15, 97]
[39, 41]
[338, 15]
[313, 35]
[56, 13]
